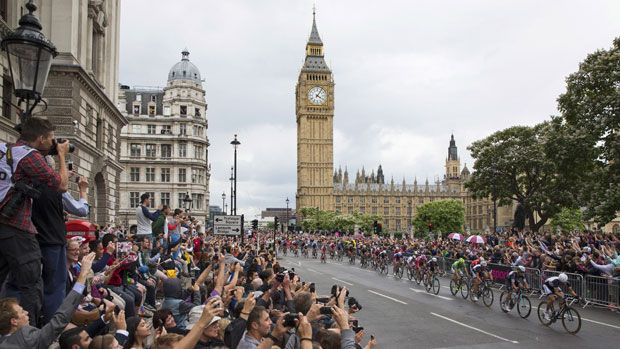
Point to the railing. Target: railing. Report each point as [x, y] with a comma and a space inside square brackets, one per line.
[604, 291]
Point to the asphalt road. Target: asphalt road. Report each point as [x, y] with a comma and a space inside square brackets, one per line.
[402, 314]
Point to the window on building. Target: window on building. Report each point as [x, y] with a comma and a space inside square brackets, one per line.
[182, 175]
[136, 129]
[350, 199]
[134, 198]
[166, 150]
[136, 109]
[421, 200]
[165, 175]
[398, 224]
[151, 110]
[165, 199]
[138, 98]
[374, 210]
[386, 211]
[386, 200]
[150, 129]
[151, 150]
[398, 211]
[199, 154]
[166, 130]
[167, 110]
[134, 174]
[183, 110]
[362, 209]
[350, 209]
[362, 200]
[135, 149]
[196, 111]
[180, 203]
[182, 150]
[398, 199]
[374, 200]
[197, 200]
[183, 129]
[337, 199]
[150, 174]
[153, 98]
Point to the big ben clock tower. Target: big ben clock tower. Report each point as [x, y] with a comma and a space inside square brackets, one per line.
[314, 101]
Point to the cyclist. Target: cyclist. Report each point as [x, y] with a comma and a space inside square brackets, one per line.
[323, 251]
[480, 273]
[551, 289]
[432, 266]
[396, 262]
[420, 264]
[514, 280]
[458, 269]
[314, 248]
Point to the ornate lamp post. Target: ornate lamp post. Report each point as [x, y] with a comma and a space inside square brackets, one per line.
[187, 202]
[231, 179]
[223, 201]
[30, 56]
[235, 143]
[409, 219]
[287, 218]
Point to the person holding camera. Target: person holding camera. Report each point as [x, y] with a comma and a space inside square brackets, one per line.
[22, 166]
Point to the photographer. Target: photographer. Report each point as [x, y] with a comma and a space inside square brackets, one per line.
[48, 218]
[23, 165]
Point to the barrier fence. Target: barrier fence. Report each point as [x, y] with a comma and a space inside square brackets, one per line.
[594, 290]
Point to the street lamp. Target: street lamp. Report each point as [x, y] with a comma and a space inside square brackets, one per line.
[231, 189]
[235, 143]
[409, 214]
[223, 202]
[287, 219]
[30, 56]
[187, 202]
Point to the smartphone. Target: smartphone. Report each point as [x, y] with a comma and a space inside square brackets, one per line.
[372, 337]
[357, 329]
[313, 288]
[77, 179]
[322, 300]
[289, 320]
[326, 311]
[70, 165]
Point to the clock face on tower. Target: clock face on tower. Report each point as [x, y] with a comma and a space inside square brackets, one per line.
[317, 95]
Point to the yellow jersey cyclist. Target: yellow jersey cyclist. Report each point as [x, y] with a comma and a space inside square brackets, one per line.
[552, 289]
[458, 269]
[514, 280]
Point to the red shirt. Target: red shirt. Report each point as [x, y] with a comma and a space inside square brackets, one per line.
[32, 168]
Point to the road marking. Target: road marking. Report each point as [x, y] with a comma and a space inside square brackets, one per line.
[344, 282]
[475, 329]
[430, 294]
[312, 270]
[388, 297]
[601, 323]
[299, 263]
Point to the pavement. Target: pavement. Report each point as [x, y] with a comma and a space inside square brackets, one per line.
[402, 314]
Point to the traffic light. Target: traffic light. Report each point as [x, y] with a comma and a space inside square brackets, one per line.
[379, 227]
[375, 227]
[275, 223]
[255, 224]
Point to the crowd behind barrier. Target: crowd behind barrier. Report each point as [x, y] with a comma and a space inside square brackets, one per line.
[590, 260]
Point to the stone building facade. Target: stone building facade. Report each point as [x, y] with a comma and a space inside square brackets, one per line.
[81, 91]
[164, 148]
[318, 185]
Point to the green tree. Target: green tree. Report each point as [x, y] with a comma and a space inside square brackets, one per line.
[590, 145]
[568, 220]
[513, 165]
[444, 215]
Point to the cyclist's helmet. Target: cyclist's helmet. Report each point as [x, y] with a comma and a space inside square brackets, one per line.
[563, 278]
[521, 269]
[462, 260]
[434, 259]
[483, 263]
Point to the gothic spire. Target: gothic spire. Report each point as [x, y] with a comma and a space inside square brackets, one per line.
[314, 34]
[452, 150]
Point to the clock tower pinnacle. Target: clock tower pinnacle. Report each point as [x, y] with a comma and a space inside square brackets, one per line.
[314, 109]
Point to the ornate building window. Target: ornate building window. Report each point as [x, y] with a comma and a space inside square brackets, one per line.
[151, 110]
[150, 129]
[134, 198]
[182, 177]
[374, 200]
[183, 110]
[362, 199]
[166, 130]
[182, 150]
[398, 224]
[165, 199]
[166, 151]
[398, 211]
[386, 200]
[180, 196]
[150, 174]
[183, 129]
[374, 210]
[152, 196]
[386, 211]
[398, 199]
[350, 199]
[167, 110]
[337, 199]
[134, 174]
[165, 175]
[151, 150]
[135, 150]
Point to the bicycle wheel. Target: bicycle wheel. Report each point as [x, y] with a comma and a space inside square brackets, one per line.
[428, 284]
[524, 308]
[409, 274]
[400, 272]
[464, 289]
[542, 307]
[436, 285]
[454, 287]
[418, 277]
[571, 320]
[487, 296]
[503, 302]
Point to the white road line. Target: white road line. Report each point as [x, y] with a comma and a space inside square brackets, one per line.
[475, 329]
[388, 297]
[430, 294]
[299, 263]
[344, 282]
[601, 323]
[312, 270]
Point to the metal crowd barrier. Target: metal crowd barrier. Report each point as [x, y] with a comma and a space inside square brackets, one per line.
[575, 281]
[603, 291]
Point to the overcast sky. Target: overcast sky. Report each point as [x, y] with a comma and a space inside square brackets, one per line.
[407, 74]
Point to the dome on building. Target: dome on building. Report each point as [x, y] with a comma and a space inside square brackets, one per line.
[184, 70]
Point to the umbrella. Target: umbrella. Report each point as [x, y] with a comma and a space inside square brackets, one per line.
[476, 239]
[456, 236]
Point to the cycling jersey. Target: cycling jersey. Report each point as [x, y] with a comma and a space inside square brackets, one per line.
[459, 264]
[479, 269]
[551, 284]
[419, 260]
[432, 265]
[514, 277]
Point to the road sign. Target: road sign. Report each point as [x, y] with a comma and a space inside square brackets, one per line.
[227, 225]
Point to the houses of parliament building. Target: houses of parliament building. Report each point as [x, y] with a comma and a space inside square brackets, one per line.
[319, 185]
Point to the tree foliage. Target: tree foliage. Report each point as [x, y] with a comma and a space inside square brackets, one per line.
[444, 215]
[568, 220]
[512, 166]
[315, 219]
[590, 143]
